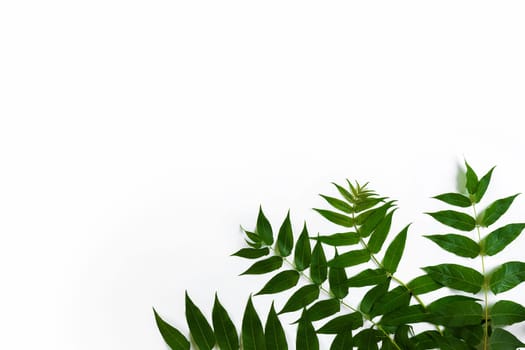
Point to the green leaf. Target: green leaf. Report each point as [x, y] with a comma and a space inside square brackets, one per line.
[457, 244]
[455, 311]
[473, 335]
[343, 341]
[339, 239]
[371, 219]
[303, 251]
[498, 239]
[322, 309]
[367, 339]
[456, 277]
[264, 266]
[483, 185]
[507, 276]
[225, 331]
[378, 237]
[252, 253]
[423, 284]
[282, 281]
[367, 277]
[337, 281]
[338, 204]
[306, 336]
[405, 315]
[351, 258]
[318, 266]
[402, 337]
[200, 329]
[336, 218]
[505, 313]
[342, 323]
[285, 237]
[274, 332]
[396, 298]
[303, 297]
[252, 331]
[472, 179]
[344, 192]
[504, 340]
[455, 219]
[263, 228]
[456, 199]
[367, 203]
[172, 336]
[394, 252]
[496, 210]
[372, 296]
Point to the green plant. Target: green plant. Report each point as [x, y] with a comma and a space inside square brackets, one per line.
[386, 314]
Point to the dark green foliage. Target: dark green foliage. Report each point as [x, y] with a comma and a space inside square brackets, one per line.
[285, 237]
[455, 219]
[282, 281]
[200, 329]
[175, 339]
[457, 244]
[264, 266]
[303, 251]
[252, 331]
[318, 266]
[306, 335]
[301, 298]
[456, 277]
[274, 332]
[225, 331]
[507, 276]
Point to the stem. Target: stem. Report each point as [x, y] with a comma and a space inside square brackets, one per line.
[485, 291]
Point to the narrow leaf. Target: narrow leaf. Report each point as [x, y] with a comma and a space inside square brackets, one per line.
[405, 315]
[423, 284]
[457, 244]
[344, 192]
[252, 253]
[372, 296]
[395, 251]
[455, 311]
[172, 336]
[343, 341]
[264, 266]
[303, 251]
[339, 239]
[252, 330]
[322, 309]
[263, 228]
[496, 210]
[504, 340]
[505, 313]
[455, 219]
[378, 237]
[303, 297]
[282, 281]
[338, 204]
[372, 218]
[225, 331]
[472, 179]
[337, 281]
[367, 339]
[483, 185]
[274, 332]
[306, 336]
[456, 277]
[367, 203]
[336, 218]
[507, 276]
[285, 237]
[498, 239]
[456, 199]
[200, 329]
[367, 277]
[318, 266]
[351, 258]
[342, 323]
[396, 298]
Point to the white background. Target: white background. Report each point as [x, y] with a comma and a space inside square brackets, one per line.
[136, 136]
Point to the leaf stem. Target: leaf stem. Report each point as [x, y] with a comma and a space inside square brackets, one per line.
[485, 291]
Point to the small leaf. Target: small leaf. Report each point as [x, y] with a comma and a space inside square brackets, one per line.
[455, 219]
[505, 313]
[405, 315]
[423, 284]
[498, 239]
[472, 179]
[367, 203]
[367, 339]
[337, 281]
[378, 237]
[456, 277]
[339, 239]
[322, 309]
[252, 330]
[342, 323]
[351, 258]
[252, 253]
[172, 336]
[507, 276]
[394, 251]
[457, 244]
[372, 296]
[336, 218]
[343, 341]
[338, 204]
[263, 228]
[306, 336]
[282, 281]
[225, 331]
[456, 199]
[496, 210]
[396, 298]
[303, 297]
[274, 332]
[264, 266]
[483, 185]
[344, 192]
[318, 266]
[303, 251]
[200, 329]
[367, 277]
[504, 340]
[285, 237]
